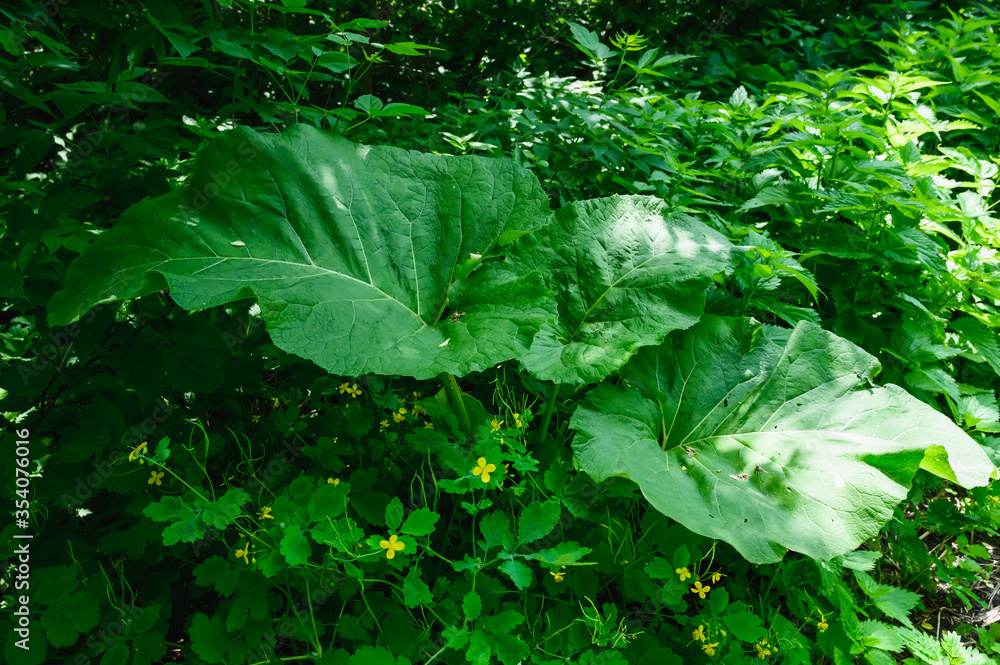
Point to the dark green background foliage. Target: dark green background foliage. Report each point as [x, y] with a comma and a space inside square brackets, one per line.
[848, 151]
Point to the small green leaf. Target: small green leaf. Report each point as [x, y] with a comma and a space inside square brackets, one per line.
[493, 527]
[472, 606]
[563, 554]
[209, 638]
[394, 515]
[218, 572]
[519, 573]
[420, 522]
[537, 521]
[295, 546]
[745, 626]
[65, 620]
[328, 501]
[415, 590]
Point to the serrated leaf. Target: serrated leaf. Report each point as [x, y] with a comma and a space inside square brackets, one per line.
[745, 625]
[563, 554]
[415, 590]
[351, 251]
[216, 572]
[625, 270]
[502, 623]
[768, 443]
[537, 520]
[420, 522]
[519, 573]
[472, 605]
[394, 515]
[493, 527]
[209, 638]
[65, 620]
[328, 501]
[187, 525]
[877, 635]
[222, 513]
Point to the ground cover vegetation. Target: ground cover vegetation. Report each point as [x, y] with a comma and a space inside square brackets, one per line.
[600, 333]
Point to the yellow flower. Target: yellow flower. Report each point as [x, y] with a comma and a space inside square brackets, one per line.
[255, 418]
[383, 424]
[155, 478]
[558, 577]
[716, 577]
[333, 481]
[702, 591]
[392, 545]
[699, 634]
[265, 513]
[244, 552]
[353, 391]
[343, 387]
[137, 453]
[709, 649]
[495, 425]
[517, 421]
[428, 425]
[822, 625]
[399, 416]
[483, 468]
[683, 572]
[416, 395]
[763, 649]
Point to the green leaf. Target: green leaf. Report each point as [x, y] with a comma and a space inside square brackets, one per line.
[745, 625]
[409, 48]
[659, 569]
[479, 650]
[368, 655]
[472, 606]
[537, 521]
[222, 513]
[415, 590]
[295, 546]
[66, 619]
[504, 622]
[187, 525]
[519, 573]
[351, 251]
[769, 442]
[985, 340]
[209, 638]
[563, 554]
[218, 572]
[493, 527]
[877, 635]
[626, 271]
[895, 602]
[394, 515]
[328, 501]
[420, 522]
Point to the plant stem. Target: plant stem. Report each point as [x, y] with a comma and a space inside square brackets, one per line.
[550, 407]
[457, 404]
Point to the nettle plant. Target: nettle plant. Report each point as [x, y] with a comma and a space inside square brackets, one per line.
[377, 260]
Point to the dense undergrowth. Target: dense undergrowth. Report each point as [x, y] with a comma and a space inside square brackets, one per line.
[230, 475]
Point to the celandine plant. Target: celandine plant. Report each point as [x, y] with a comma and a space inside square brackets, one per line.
[383, 262]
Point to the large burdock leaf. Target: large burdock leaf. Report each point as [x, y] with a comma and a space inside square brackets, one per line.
[626, 271]
[767, 439]
[363, 259]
